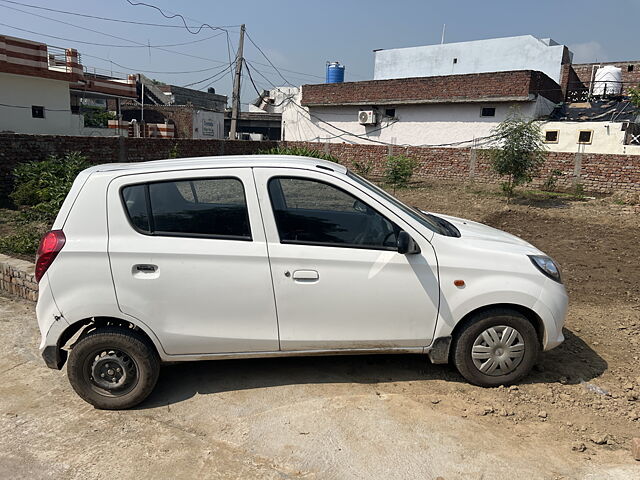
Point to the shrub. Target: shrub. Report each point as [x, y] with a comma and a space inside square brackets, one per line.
[174, 152]
[398, 170]
[520, 151]
[551, 182]
[363, 167]
[95, 117]
[299, 151]
[43, 186]
[24, 241]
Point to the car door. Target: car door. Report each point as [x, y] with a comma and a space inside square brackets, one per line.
[189, 259]
[338, 278]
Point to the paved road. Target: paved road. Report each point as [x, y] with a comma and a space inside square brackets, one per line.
[339, 417]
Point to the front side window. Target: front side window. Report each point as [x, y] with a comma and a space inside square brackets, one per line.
[315, 213]
[211, 207]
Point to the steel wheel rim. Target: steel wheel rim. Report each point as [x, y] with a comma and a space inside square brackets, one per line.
[111, 372]
[498, 350]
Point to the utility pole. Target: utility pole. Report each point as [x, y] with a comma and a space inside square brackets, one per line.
[235, 99]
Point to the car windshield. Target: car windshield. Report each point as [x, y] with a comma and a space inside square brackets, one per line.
[414, 213]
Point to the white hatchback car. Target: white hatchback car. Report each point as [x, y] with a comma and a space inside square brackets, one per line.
[259, 256]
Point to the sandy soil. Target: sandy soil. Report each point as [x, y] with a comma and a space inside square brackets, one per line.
[367, 416]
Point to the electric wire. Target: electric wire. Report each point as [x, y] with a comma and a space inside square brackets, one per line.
[107, 19]
[111, 45]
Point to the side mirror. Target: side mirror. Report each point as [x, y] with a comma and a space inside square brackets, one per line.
[406, 244]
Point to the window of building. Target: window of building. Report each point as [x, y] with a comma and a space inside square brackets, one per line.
[209, 207]
[390, 112]
[310, 212]
[630, 68]
[37, 111]
[455, 60]
[488, 112]
[551, 136]
[585, 136]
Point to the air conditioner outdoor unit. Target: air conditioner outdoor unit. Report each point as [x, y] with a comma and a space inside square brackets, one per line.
[367, 117]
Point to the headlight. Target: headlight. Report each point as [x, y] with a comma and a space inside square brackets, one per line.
[547, 266]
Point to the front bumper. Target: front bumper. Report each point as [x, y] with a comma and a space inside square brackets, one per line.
[552, 308]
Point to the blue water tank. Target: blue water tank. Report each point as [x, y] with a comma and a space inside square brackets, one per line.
[335, 72]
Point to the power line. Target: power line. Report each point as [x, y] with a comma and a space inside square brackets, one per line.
[175, 15]
[107, 19]
[132, 69]
[110, 44]
[224, 70]
[116, 37]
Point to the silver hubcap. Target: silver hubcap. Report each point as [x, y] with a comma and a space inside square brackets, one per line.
[498, 350]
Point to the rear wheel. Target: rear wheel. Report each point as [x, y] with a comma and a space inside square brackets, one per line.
[497, 347]
[113, 368]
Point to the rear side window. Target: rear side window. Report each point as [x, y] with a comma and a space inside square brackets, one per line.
[207, 207]
[310, 212]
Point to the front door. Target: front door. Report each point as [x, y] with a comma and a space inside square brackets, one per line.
[189, 259]
[338, 279]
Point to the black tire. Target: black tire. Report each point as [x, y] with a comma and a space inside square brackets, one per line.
[127, 351]
[464, 344]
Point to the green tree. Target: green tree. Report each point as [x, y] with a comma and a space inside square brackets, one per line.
[520, 152]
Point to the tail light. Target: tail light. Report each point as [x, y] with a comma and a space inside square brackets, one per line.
[50, 246]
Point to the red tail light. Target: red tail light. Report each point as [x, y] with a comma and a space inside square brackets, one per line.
[50, 246]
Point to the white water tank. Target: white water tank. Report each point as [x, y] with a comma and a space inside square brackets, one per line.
[608, 81]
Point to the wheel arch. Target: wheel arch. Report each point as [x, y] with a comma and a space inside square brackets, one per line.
[86, 325]
[526, 312]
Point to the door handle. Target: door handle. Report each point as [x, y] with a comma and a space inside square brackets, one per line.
[306, 275]
[145, 268]
[145, 271]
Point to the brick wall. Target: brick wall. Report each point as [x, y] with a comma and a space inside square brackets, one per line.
[518, 84]
[16, 277]
[598, 173]
[17, 148]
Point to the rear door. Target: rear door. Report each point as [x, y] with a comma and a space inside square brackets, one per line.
[189, 258]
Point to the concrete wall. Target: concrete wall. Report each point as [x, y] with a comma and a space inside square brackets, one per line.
[428, 124]
[607, 138]
[25, 91]
[493, 55]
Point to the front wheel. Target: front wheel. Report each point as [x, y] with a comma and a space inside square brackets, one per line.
[113, 368]
[498, 347]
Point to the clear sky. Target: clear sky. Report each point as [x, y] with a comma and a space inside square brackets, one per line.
[302, 35]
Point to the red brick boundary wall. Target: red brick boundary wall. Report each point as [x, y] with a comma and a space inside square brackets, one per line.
[17, 278]
[597, 173]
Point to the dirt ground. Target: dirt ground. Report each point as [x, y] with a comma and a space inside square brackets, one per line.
[368, 416]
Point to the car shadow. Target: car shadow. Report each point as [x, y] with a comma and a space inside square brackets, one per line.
[572, 362]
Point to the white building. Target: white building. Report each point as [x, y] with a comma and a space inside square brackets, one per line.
[455, 110]
[43, 89]
[600, 126]
[524, 52]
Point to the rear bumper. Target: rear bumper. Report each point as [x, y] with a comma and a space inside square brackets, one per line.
[54, 357]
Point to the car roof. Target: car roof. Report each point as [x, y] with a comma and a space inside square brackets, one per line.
[222, 161]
